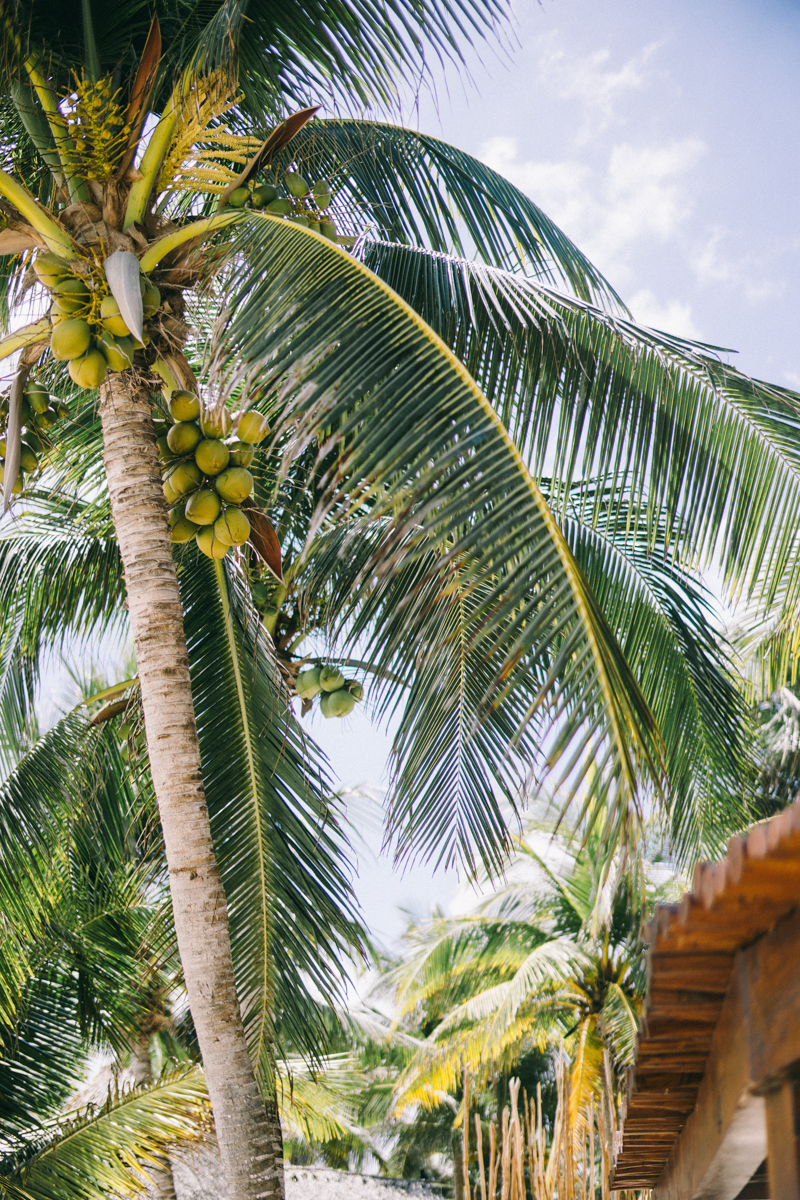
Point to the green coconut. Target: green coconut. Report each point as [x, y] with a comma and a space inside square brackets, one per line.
[184, 437]
[62, 410]
[50, 269]
[260, 593]
[170, 494]
[322, 193]
[186, 477]
[280, 207]
[118, 352]
[295, 184]
[182, 531]
[215, 423]
[232, 527]
[239, 197]
[328, 230]
[62, 310]
[164, 452]
[70, 339]
[299, 219]
[211, 456]
[151, 299]
[184, 406]
[89, 371]
[175, 514]
[111, 318]
[47, 419]
[253, 427]
[27, 459]
[73, 288]
[210, 544]
[203, 507]
[337, 704]
[234, 484]
[262, 195]
[38, 397]
[17, 488]
[241, 454]
[308, 683]
[355, 689]
[330, 679]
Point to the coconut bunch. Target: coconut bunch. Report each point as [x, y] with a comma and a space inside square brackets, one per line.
[338, 696]
[296, 199]
[39, 412]
[206, 480]
[89, 331]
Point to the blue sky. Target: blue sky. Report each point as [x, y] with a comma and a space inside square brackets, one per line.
[663, 138]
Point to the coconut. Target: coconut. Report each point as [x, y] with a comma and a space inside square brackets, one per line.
[328, 229]
[183, 437]
[262, 195]
[61, 310]
[322, 193]
[38, 397]
[259, 593]
[279, 207]
[175, 514]
[50, 269]
[164, 452]
[210, 544]
[70, 339]
[151, 299]
[203, 507]
[118, 352]
[234, 485]
[253, 427]
[89, 371]
[337, 704]
[211, 456]
[186, 477]
[239, 197]
[170, 494]
[110, 316]
[47, 419]
[27, 459]
[62, 410]
[355, 689]
[233, 527]
[184, 406]
[215, 423]
[2, 447]
[295, 184]
[330, 679]
[182, 531]
[72, 288]
[299, 219]
[17, 488]
[241, 454]
[308, 684]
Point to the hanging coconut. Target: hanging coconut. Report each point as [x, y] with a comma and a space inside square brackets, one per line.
[184, 406]
[90, 370]
[49, 269]
[241, 454]
[211, 456]
[118, 352]
[111, 318]
[234, 485]
[232, 527]
[183, 437]
[70, 339]
[307, 683]
[203, 507]
[337, 704]
[355, 689]
[182, 531]
[186, 477]
[295, 184]
[210, 544]
[215, 423]
[330, 679]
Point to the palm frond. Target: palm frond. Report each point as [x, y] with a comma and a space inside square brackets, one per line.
[703, 457]
[414, 441]
[409, 187]
[90, 1155]
[282, 856]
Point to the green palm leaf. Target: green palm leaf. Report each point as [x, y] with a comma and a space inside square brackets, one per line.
[281, 854]
[703, 458]
[410, 187]
[90, 1155]
[417, 444]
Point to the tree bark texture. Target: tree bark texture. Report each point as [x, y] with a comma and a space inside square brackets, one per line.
[249, 1149]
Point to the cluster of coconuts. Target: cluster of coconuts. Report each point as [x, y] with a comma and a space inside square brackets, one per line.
[303, 203]
[40, 411]
[89, 333]
[206, 479]
[338, 696]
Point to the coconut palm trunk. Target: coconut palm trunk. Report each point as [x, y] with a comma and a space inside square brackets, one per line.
[249, 1147]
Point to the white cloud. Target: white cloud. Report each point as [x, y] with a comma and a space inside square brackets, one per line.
[590, 80]
[714, 263]
[673, 316]
[641, 192]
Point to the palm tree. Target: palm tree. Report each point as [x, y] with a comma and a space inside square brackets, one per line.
[390, 472]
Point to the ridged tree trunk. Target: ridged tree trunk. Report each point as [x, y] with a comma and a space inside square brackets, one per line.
[249, 1147]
